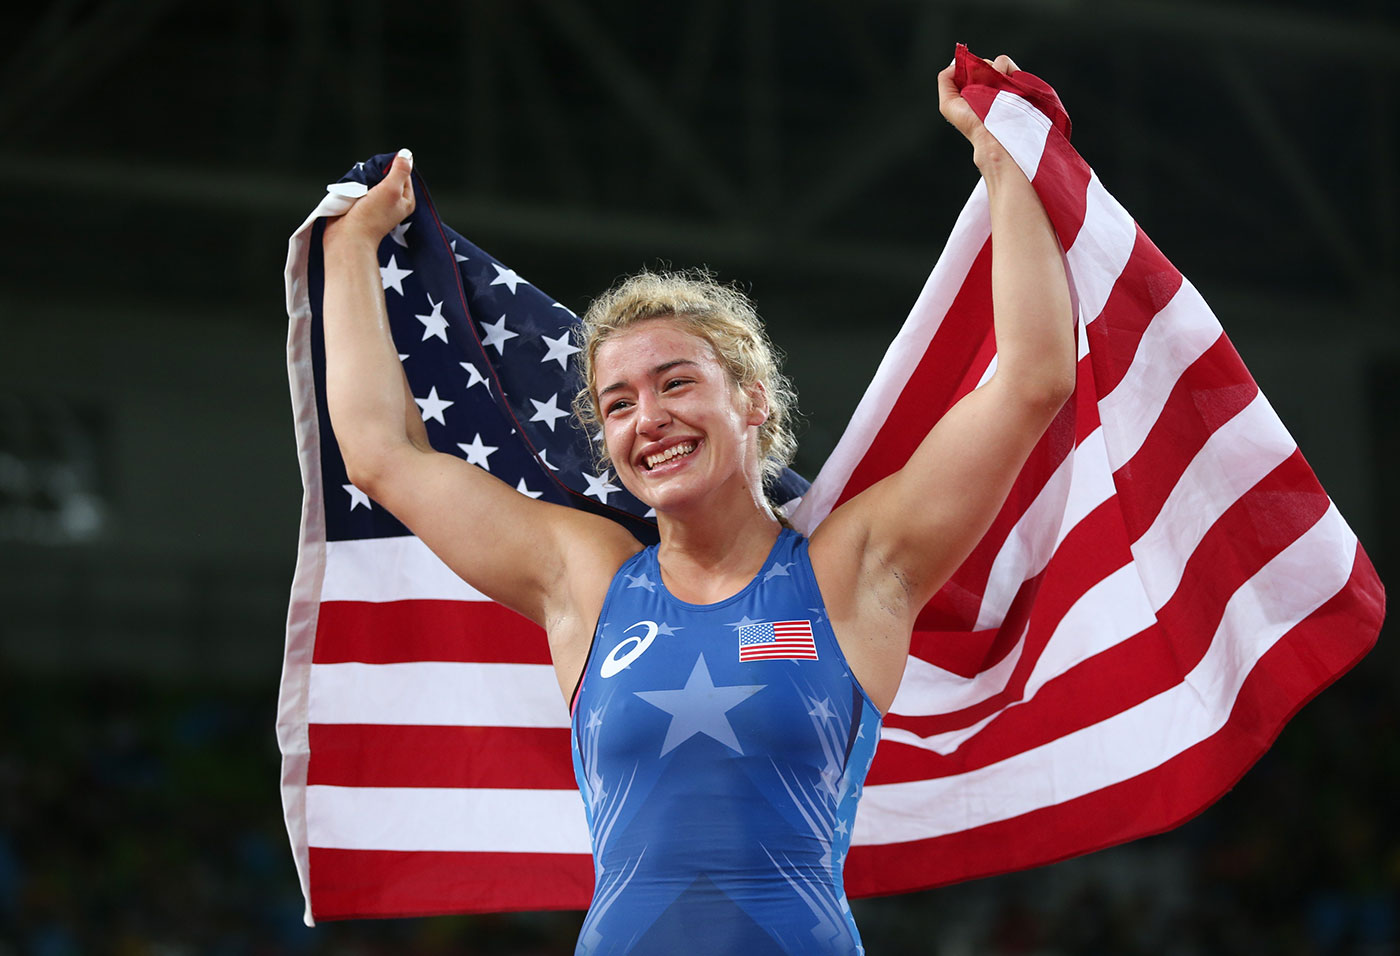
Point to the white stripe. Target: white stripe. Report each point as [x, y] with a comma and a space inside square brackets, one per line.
[1110, 612]
[1101, 249]
[970, 233]
[390, 569]
[1177, 336]
[1284, 592]
[1080, 484]
[1019, 127]
[446, 819]
[1023, 130]
[1226, 467]
[437, 693]
[1233, 460]
[927, 689]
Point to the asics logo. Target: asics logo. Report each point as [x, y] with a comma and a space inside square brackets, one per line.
[630, 649]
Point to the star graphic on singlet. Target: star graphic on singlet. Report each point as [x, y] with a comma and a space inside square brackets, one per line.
[744, 622]
[699, 708]
[641, 581]
[667, 630]
[778, 571]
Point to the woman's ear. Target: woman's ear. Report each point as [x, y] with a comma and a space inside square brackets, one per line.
[758, 403]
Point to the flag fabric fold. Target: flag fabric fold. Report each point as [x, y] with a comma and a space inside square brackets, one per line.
[1165, 586]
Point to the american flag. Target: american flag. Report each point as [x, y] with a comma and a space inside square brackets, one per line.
[1166, 585]
[778, 640]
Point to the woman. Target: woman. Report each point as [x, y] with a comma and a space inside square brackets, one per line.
[726, 684]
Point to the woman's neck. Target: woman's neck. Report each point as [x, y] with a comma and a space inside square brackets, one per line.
[709, 559]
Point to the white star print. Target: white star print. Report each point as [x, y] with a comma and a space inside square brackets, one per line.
[357, 498]
[521, 487]
[840, 828]
[743, 623]
[507, 278]
[545, 461]
[548, 412]
[821, 708]
[699, 708]
[594, 722]
[433, 406]
[642, 581]
[599, 486]
[566, 309]
[476, 377]
[560, 349]
[391, 276]
[397, 233]
[667, 630]
[476, 452]
[497, 334]
[434, 323]
[455, 254]
[778, 571]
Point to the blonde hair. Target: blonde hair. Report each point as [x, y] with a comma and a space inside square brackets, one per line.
[721, 315]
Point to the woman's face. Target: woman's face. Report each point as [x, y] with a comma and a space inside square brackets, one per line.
[680, 434]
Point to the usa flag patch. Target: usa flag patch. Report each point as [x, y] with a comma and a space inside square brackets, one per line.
[778, 640]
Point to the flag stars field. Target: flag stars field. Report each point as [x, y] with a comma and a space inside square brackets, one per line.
[434, 323]
[506, 277]
[497, 335]
[477, 452]
[548, 412]
[357, 497]
[475, 377]
[560, 349]
[391, 276]
[599, 486]
[433, 406]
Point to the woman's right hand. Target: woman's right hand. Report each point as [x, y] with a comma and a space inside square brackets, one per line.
[389, 203]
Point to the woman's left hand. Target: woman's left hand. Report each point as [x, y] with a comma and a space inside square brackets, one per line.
[956, 110]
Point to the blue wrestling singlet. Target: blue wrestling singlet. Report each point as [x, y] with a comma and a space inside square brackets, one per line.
[720, 750]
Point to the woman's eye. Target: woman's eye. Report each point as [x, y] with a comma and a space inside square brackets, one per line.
[676, 381]
[615, 407]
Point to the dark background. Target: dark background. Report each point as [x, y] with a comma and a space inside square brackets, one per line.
[158, 153]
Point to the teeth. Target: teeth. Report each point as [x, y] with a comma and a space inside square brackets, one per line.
[674, 451]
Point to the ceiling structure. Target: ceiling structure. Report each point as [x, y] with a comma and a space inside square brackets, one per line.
[792, 144]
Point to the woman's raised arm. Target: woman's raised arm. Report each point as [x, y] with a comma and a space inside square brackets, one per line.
[515, 550]
[891, 547]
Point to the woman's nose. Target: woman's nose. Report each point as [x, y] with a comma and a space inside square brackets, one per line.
[651, 414]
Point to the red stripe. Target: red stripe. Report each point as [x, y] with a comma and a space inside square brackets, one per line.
[766, 655]
[394, 632]
[378, 755]
[1312, 655]
[1095, 548]
[349, 884]
[1250, 533]
[1145, 287]
[1212, 391]
[941, 377]
[1062, 181]
[956, 605]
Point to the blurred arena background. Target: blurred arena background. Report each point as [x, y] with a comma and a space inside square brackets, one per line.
[158, 153]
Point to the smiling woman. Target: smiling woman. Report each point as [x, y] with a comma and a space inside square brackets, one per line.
[724, 317]
[727, 684]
